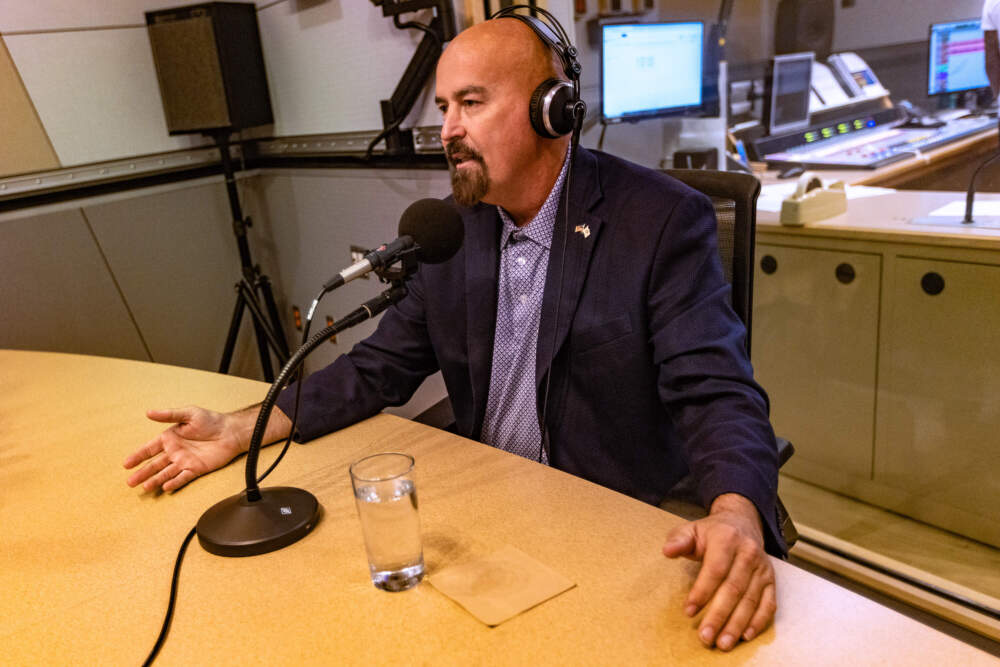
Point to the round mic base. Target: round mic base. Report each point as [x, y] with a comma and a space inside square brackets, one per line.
[239, 527]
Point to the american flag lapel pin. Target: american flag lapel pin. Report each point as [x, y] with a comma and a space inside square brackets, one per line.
[583, 229]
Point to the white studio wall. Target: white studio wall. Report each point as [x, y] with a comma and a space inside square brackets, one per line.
[329, 64]
[88, 70]
[872, 23]
[311, 217]
[96, 94]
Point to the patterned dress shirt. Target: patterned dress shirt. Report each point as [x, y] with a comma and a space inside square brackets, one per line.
[512, 421]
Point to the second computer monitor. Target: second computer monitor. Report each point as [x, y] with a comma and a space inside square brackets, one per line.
[652, 69]
[790, 87]
[957, 61]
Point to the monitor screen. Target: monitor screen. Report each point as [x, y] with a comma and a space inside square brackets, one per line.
[791, 87]
[651, 69]
[957, 58]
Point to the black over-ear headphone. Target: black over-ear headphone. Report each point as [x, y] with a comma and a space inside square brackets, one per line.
[555, 108]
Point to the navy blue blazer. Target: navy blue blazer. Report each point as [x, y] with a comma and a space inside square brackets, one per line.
[650, 378]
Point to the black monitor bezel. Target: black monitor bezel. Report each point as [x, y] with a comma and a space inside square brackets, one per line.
[709, 78]
[930, 74]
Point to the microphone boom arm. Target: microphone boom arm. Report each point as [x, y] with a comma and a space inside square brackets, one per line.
[396, 292]
[257, 520]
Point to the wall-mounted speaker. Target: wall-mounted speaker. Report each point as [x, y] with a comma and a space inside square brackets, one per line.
[805, 25]
[210, 67]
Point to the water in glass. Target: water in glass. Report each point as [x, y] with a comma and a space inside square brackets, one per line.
[391, 526]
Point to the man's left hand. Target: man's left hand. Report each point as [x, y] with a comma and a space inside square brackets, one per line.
[736, 581]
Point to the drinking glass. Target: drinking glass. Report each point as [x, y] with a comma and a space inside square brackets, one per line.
[386, 497]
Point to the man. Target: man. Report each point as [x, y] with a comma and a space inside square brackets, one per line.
[991, 21]
[645, 367]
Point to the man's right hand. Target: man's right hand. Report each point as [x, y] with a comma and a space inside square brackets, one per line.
[199, 441]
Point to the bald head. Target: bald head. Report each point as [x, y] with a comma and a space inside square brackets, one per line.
[506, 51]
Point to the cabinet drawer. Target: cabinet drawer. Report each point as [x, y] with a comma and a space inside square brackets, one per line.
[940, 395]
[815, 337]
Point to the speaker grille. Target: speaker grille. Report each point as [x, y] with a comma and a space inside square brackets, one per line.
[187, 66]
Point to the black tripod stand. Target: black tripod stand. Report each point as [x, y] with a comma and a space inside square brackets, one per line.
[253, 288]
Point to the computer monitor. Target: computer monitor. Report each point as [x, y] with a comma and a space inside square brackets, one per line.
[957, 58]
[651, 70]
[790, 90]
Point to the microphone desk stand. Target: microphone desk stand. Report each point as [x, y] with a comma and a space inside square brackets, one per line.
[258, 521]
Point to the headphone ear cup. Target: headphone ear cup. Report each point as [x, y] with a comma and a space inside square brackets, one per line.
[551, 108]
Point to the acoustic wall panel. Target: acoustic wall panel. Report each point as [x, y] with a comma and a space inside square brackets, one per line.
[175, 257]
[57, 292]
[312, 218]
[329, 64]
[96, 93]
[26, 146]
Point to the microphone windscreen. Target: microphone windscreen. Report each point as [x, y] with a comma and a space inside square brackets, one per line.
[436, 227]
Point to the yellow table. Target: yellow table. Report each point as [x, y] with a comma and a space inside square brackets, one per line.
[85, 561]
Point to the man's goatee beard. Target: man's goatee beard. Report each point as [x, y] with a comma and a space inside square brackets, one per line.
[469, 185]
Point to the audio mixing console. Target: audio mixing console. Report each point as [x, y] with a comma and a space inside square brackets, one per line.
[873, 147]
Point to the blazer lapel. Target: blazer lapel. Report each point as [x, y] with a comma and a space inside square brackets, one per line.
[482, 267]
[568, 261]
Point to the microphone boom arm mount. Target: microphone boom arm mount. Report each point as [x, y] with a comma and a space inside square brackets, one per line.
[408, 265]
[395, 109]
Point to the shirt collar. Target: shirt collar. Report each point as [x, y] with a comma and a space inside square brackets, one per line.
[540, 228]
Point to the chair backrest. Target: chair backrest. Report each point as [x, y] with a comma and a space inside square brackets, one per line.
[734, 196]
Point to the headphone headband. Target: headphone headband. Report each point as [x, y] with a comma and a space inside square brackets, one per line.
[555, 108]
[550, 32]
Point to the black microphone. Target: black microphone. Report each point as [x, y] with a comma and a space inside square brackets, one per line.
[432, 227]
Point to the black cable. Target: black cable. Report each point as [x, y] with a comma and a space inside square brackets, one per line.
[573, 143]
[170, 605]
[399, 121]
[382, 135]
[600, 141]
[298, 387]
[416, 26]
[556, 27]
[165, 628]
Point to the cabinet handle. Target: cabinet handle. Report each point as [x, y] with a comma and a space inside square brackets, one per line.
[845, 273]
[932, 283]
[768, 264]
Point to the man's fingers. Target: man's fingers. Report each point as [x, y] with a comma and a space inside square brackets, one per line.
[170, 415]
[147, 471]
[169, 471]
[739, 620]
[716, 563]
[724, 578]
[147, 451]
[146, 476]
[680, 542]
[182, 478]
[765, 610]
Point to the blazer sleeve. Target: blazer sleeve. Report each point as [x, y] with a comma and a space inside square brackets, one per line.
[705, 380]
[384, 369]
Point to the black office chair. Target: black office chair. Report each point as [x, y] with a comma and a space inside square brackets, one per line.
[734, 196]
